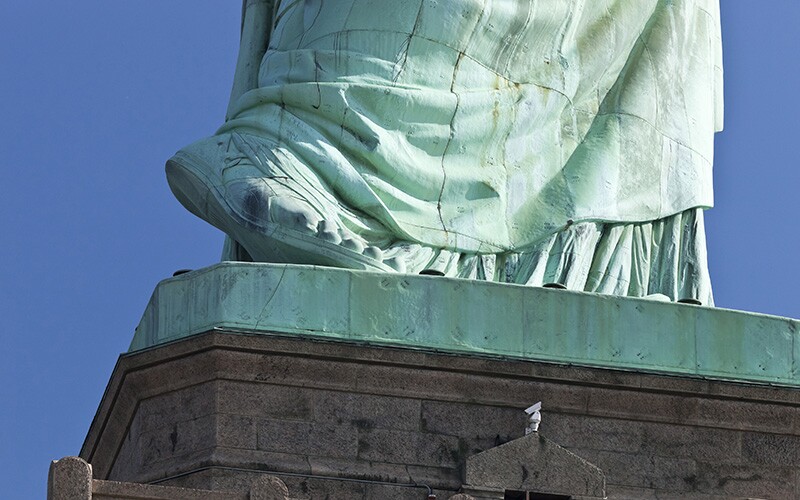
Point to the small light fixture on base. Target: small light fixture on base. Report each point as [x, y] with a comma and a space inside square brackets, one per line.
[534, 418]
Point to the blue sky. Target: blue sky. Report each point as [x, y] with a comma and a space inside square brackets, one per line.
[96, 95]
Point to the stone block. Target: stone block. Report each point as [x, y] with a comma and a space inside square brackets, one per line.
[630, 493]
[202, 479]
[70, 478]
[307, 438]
[483, 493]
[128, 459]
[327, 439]
[361, 470]
[115, 490]
[401, 380]
[367, 411]
[285, 436]
[639, 405]
[394, 492]
[701, 444]
[747, 481]
[181, 438]
[473, 422]
[218, 479]
[164, 469]
[236, 431]
[413, 448]
[279, 369]
[180, 374]
[260, 460]
[441, 477]
[623, 469]
[302, 488]
[264, 400]
[746, 415]
[596, 433]
[677, 475]
[771, 449]
[647, 472]
[163, 410]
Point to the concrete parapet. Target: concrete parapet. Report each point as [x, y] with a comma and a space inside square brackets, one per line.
[70, 478]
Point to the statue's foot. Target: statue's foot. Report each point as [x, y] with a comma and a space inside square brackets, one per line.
[265, 213]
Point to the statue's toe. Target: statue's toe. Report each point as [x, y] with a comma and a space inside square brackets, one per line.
[353, 244]
[330, 232]
[374, 253]
[327, 231]
[396, 263]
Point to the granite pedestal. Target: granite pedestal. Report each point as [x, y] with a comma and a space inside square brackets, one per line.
[357, 385]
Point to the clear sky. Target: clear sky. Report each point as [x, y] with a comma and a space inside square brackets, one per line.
[96, 95]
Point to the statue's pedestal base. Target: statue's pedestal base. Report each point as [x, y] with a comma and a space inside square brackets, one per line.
[328, 418]
[348, 418]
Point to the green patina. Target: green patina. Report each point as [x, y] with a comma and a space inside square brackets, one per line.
[571, 138]
[471, 317]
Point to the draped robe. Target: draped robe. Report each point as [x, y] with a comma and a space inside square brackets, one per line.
[499, 127]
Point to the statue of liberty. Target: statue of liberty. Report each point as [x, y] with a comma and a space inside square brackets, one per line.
[564, 142]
